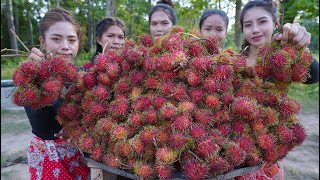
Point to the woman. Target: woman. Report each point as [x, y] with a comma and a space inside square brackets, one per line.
[258, 20]
[110, 33]
[49, 157]
[214, 22]
[161, 18]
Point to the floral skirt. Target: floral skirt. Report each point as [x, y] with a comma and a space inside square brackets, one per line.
[267, 172]
[56, 159]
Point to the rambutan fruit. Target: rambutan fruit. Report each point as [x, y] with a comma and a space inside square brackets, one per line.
[253, 158]
[146, 40]
[162, 136]
[137, 77]
[212, 45]
[288, 107]
[52, 86]
[244, 107]
[97, 108]
[280, 60]
[186, 107]
[123, 149]
[181, 123]
[86, 143]
[112, 161]
[119, 132]
[168, 111]
[301, 73]
[271, 156]
[150, 116]
[196, 95]
[135, 119]
[19, 79]
[195, 169]
[151, 82]
[270, 116]
[119, 107]
[164, 171]
[258, 127]
[234, 154]
[245, 143]
[218, 165]
[202, 64]
[180, 92]
[29, 67]
[193, 78]
[306, 58]
[123, 86]
[143, 170]
[167, 88]
[104, 79]
[210, 84]
[166, 155]
[148, 64]
[101, 62]
[212, 101]
[282, 75]
[206, 147]
[113, 70]
[99, 92]
[158, 102]
[97, 153]
[203, 116]
[148, 134]
[178, 141]
[89, 80]
[284, 134]
[239, 127]
[299, 133]
[137, 146]
[142, 103]
[198, 130]
[223, 71]
[266, 142]
[104, 125]
[196, 50]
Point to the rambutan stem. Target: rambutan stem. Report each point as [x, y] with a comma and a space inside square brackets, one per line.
[12, 91]
[194, 155]
[189, 34]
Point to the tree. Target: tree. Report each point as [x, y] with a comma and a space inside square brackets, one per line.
[10, 23]
[110, 8]
[237, 25]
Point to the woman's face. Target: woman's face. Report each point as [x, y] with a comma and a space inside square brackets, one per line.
[113, 38]
[258, 26]
[160, 24]
[61, 40]
[214, 25]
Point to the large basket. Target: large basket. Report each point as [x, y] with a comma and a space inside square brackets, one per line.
[177, 175]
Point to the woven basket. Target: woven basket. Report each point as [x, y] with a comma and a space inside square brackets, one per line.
[177, 175]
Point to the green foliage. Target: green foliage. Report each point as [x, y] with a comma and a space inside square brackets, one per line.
[307, 95]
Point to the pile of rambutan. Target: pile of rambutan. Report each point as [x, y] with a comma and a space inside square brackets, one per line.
[179, 104]
[40, 83]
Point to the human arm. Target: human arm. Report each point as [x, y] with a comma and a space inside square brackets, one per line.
[314, 72]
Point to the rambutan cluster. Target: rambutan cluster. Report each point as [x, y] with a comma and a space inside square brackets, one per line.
[178, 103]
[40, 83]
[283, 63]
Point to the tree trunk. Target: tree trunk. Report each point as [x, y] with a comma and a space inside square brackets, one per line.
[89, 26]
[16, 18]
[109, 8]
[237, 34]
[58, 3]
[30, 27]
[10, 22]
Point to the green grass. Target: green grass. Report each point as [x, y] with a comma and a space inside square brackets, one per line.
[307, 95]
[15, 127]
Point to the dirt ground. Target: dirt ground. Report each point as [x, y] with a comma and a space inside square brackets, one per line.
[301, 163]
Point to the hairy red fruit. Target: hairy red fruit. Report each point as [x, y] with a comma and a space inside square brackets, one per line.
[89, 80]
[119, 132]
[19, 79]
[289, 107]
[195, 170]
[158, 102]
[164, 171]
[196, 50]
[284, 134]
[143, 170]
[206, 147]
[142, 103]
[86, 142]
[210, 85]
[180, 92]
[119, 107]
[178, 141]
[234, 154]
[168, 111]
[193, 78]
[299, 133]
[280, 60]
[146, 40]
[151, 82]
[203, 116]
[266, 142]
[181, 123]
[166, 155]
[150, 116]
[218, 165]
[166, 88]
[212, 101]
[148, 134]
[137, 77]
[98, 108]
[201, 64]
[198, 130]
[196, 95]
[97, 153]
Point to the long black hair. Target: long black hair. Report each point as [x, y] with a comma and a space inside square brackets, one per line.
[167, 7]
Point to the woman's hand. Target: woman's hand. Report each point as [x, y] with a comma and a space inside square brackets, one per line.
[36, 54]
[62, 134]
[296, 33]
